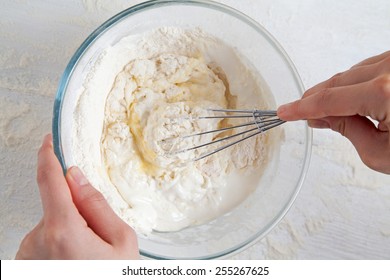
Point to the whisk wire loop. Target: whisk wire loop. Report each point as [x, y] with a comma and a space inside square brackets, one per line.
[263, 120]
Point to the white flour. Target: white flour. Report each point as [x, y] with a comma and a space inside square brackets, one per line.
[122, 120]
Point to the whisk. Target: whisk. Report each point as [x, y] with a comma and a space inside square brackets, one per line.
[259, 122]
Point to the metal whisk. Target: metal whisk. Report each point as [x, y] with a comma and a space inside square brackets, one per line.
[260, 122]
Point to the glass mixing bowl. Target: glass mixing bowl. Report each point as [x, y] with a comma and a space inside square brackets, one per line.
[285, 173]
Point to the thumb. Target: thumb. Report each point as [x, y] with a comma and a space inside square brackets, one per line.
[362, 133]
[95, 210]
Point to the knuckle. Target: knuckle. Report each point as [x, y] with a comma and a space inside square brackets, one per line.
[385, 64]
[296, 108]
[334, 81]
[42, 175]
[55, 237]
[127, 236]
[60, 239]
[341, 127]
[93, 198]
[123, 234]
[382, 84]
[324, 102]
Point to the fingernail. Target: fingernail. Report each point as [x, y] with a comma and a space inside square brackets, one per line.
[318, 124]
[283, 109]
[78, 176]
[48, 140]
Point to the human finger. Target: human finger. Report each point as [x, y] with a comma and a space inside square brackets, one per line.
[96, 211]
[56, 197]
[382, 126]
[373, 59]
[363, 134]
[366, 99]
[352, 76]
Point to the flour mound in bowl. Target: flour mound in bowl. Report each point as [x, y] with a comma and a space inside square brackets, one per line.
[156, 85]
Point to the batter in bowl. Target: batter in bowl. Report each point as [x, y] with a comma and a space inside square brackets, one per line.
[157, 83]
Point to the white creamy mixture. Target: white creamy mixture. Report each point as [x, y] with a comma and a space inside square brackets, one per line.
[144, 93]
